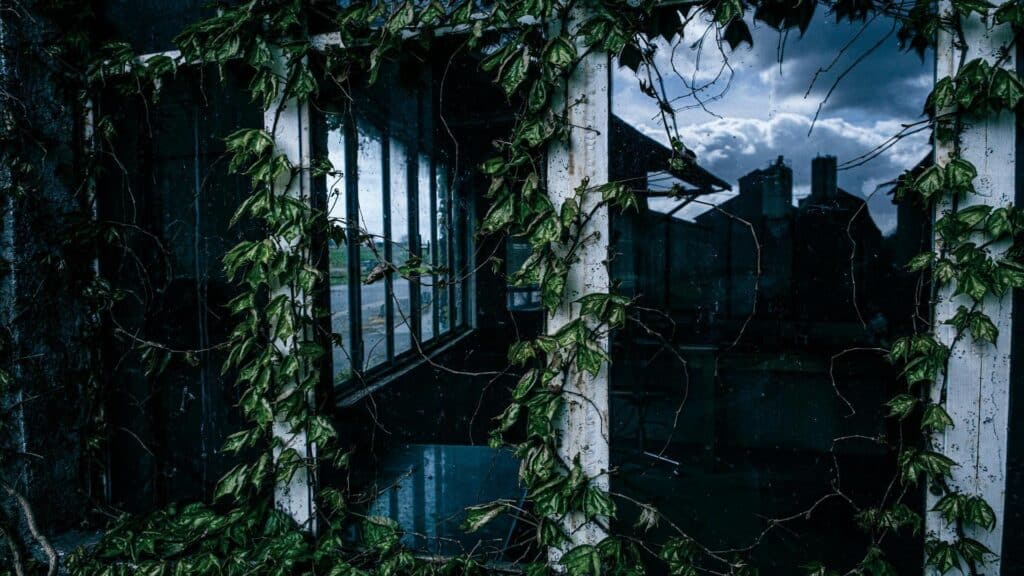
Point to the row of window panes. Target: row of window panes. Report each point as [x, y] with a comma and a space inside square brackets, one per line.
[381, 214]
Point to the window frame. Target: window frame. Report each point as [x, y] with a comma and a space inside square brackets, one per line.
[458, 247]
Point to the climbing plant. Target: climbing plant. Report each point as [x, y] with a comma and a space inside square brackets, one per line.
[530, 49]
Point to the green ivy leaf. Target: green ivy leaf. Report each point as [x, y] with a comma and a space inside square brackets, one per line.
[914, 463]
[520, 352]
[380, 532]
[876, 564]
[973, 551]
[920, 262]
[681, 555]
[944, 271]
[1010, 13]
[999, 223]
[1006, 87]
[589, 357]
[582, 560]
[480, 515]
[514, 70]
[538, 96]
[977, 511]
[965, 7]
[901, 405]
[982, 328]
[727, 10]
[942, 96]
[973, 215]
[960, 175]
[930, 182]
[561, 53]
[972, 284]
[597, 502]
[525, 385]
[942, 556]
[896, 518]
[935, 418]
[499, 216]
[509, 417]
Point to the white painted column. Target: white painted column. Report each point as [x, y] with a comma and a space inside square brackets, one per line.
[584, 155]
[978, 389]
[288, 123]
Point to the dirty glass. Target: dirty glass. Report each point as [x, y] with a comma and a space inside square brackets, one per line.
[442, 223]
[165, 201]
[748, 388]
[399, 244]
[370, 178]
[427, 233]
[338, 257]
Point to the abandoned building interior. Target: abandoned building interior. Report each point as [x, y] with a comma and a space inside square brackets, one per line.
[747, 387]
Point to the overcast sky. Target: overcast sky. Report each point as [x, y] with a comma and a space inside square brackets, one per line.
[765, 107]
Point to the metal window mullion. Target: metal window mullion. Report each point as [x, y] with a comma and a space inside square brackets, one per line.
[355, 297]
[389, 306]
[451, 239]
[413, 203]
[469, 282]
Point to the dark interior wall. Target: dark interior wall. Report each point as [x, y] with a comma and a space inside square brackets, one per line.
[165, 201]
[149, 25]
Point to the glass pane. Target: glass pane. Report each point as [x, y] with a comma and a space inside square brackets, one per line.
[436, 484]
[770, 279]
[400, 244]
[426, 224]
[443, 224]
[371, 251]
[459, 273]
[338, 260]
[165, 194]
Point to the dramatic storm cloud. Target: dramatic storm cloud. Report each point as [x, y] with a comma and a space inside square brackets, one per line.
[764, 102]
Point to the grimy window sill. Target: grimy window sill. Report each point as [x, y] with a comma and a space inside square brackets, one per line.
[378, 381]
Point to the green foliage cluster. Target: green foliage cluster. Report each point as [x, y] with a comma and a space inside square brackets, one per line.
[531, 48]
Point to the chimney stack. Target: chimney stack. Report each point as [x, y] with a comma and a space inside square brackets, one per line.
[823, 178]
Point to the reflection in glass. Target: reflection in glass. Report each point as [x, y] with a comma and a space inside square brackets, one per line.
[459, 272]
[443, 237]
[427, 487]
[773, 271]
[371, 251]
[338, 257]
[427, 233]
[400, 244]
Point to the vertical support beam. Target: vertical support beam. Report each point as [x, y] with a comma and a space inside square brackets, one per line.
[584, 156]
[978, 379]
[287, 122]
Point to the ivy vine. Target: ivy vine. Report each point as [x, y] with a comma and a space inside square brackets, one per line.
[531, 48]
